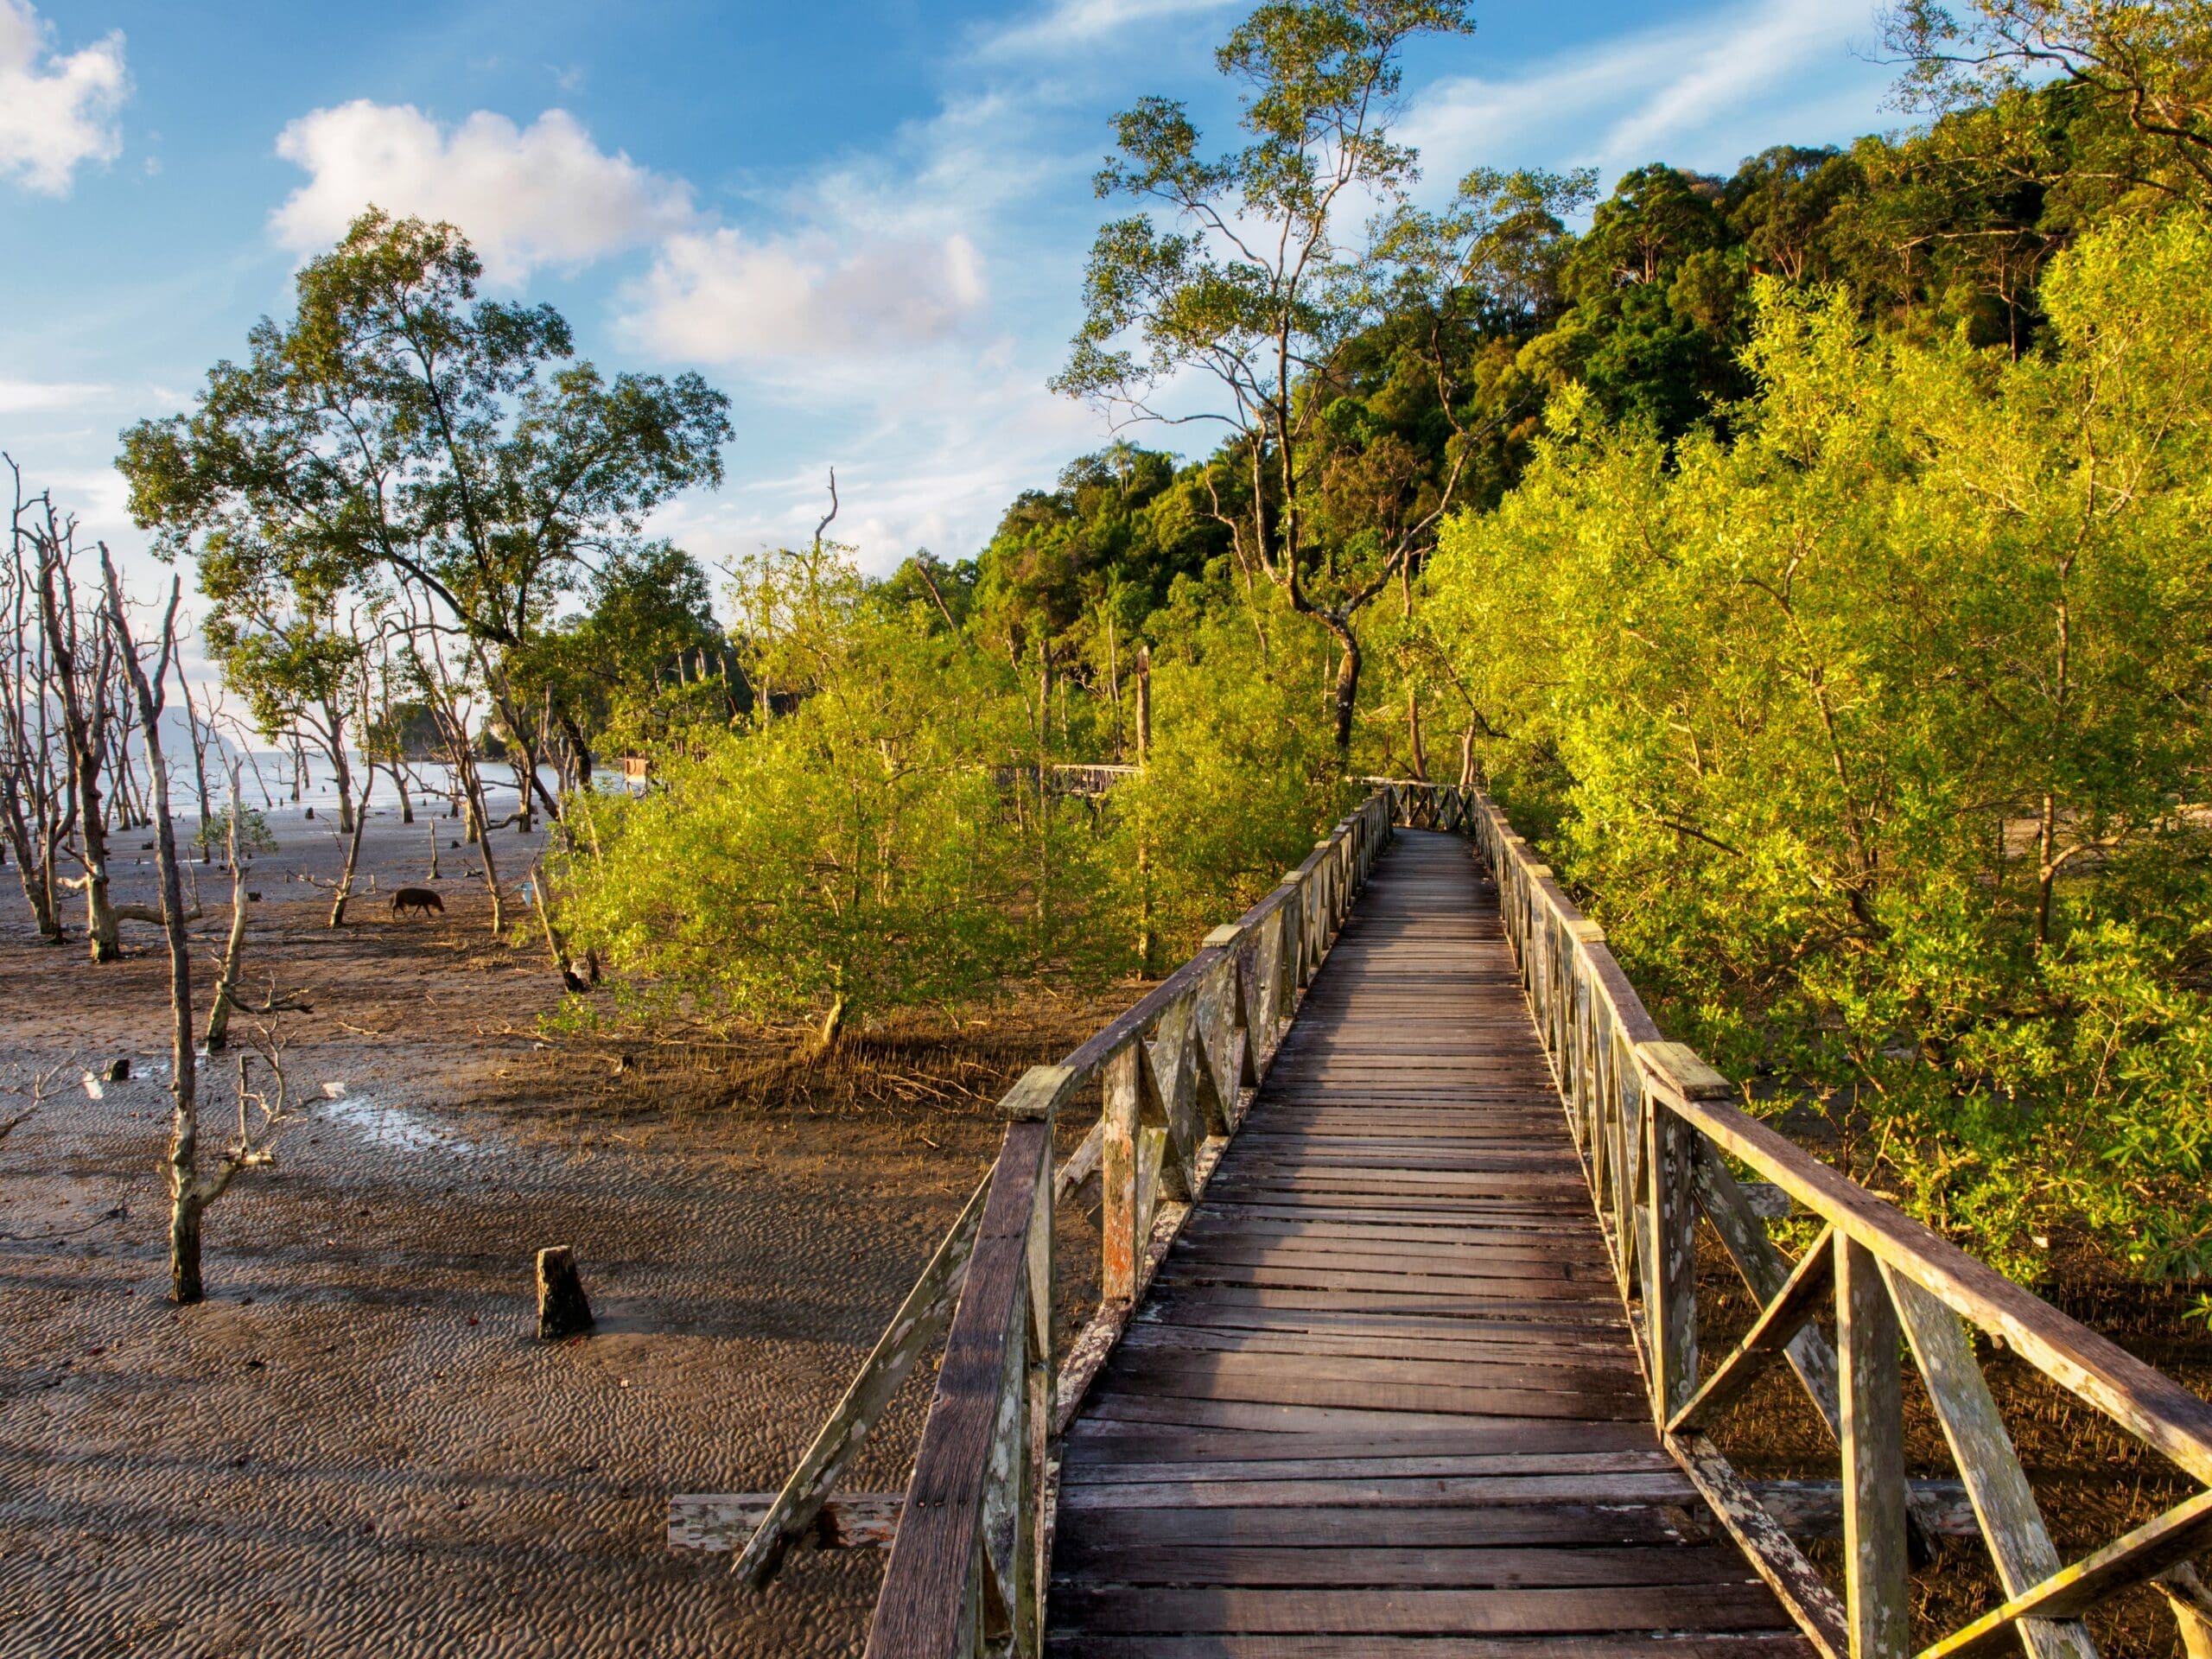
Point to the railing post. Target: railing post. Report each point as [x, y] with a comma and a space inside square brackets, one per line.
[1874, 1560]
[1670, 1261]
[1119, 1240]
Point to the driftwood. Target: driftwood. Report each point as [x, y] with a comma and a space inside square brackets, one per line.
[152, 915]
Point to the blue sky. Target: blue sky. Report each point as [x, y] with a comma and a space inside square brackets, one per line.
[866, 222]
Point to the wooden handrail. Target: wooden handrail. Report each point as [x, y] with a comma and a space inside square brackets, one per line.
[1651, 1122]
[966, 1572]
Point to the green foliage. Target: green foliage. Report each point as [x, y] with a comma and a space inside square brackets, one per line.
[1873, 733]
[400, 428]
[644, 661]
[1242, 777]
[849, 855]
[400, 445]
[254, 834]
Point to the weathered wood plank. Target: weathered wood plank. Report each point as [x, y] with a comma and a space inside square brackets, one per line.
[1168, 1610]
[1794, 1581]
[1874, 1567]
[2011, 1522]
[926, 1601]
[1259, 1567]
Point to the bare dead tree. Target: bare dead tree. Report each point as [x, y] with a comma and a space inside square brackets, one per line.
[81, 653]
[201, 734]
[230, 968]
[262, 1109]
[38, 809]
[185, 1201]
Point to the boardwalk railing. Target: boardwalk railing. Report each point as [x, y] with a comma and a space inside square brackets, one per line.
[1653, 1123]
[972, 1536]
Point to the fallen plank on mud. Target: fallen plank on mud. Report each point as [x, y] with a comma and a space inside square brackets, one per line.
[722, 1521]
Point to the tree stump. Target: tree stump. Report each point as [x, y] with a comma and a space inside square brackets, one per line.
[562, 1310]
[116, 1071]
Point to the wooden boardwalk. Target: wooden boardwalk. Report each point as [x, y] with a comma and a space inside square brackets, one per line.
[1381, 1398]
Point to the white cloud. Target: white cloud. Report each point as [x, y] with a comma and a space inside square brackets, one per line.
[721, 297]
[57, 113]
[1701, 91]
[30, 397]
[1071, 24]
[525, 197]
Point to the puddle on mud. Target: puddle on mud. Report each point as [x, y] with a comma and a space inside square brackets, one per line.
[391, 1127]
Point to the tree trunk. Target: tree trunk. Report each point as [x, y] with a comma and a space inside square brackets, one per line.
[1412, 732]
[184, 1211]
[106, 944]
[218, 1017]
[186, 1198]
[1346, 699]
[37, 891]
[342, 770]
[477, 813]
[359, 814]
[832, 1029]
[1144, 703]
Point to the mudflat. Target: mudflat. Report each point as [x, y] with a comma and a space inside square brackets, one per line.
[357, 1445]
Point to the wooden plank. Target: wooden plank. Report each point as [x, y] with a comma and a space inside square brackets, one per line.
[1794, 1581]
[1103, 1441]
[1255, 1566]
[1670, 1257]
[1608, 1359]
[1121, 1223]
[1428, 1292]
[1647, 1459]
[1814, 1509]
[924, 1604]
[2012, 1524]
[1875, 1571]
[1412, 1527]
[719, 1523]
[1171, 1611]
[1651, 1486]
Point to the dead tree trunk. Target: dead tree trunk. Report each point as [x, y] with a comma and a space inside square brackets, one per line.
[186, 1191]
[84, 675]
[226, 984]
